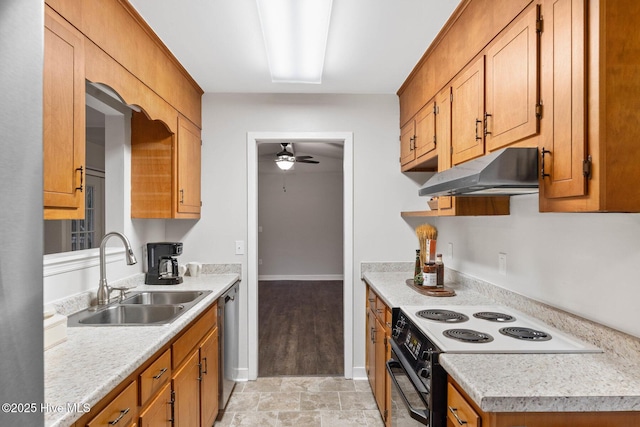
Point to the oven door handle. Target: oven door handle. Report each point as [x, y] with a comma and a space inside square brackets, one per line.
[415, 414]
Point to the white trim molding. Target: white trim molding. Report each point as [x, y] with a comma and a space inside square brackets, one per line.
[73, 261]
[253, 139]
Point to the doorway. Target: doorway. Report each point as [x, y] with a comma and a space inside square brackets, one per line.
[345, 139]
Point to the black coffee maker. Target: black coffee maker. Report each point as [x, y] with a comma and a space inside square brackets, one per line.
[162, 266]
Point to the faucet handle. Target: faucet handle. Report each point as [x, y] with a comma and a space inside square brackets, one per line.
[123, 289]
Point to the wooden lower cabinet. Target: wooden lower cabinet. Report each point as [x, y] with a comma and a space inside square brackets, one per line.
[209, 383]
[186, 389]
[177, 387]
[378, 352]
[462, 410]
[159, 412]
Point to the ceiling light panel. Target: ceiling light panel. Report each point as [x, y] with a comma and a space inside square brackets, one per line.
[295, 36]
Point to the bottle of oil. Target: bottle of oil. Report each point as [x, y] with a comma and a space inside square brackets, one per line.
[418, 268]
[439, 271]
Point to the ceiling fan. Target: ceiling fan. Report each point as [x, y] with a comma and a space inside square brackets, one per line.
[285, 158]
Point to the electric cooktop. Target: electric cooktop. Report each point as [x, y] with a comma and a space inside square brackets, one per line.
[491, 329]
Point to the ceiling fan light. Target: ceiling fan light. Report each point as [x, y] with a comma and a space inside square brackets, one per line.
[285, 162]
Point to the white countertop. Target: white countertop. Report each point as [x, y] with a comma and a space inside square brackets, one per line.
[524, 382]
[94, 360]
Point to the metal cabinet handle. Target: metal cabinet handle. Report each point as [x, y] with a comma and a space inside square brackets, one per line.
[117, 420]
[161, 373]
[454, 411]
[542, 172]
[412, 143]
[182, 196]
[486, 130]
[204, 359]
[478, 137]
[373, 335]
[81, 169]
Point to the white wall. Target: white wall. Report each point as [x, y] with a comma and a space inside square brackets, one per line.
[380, 191]
[301, 235]
[584, 263]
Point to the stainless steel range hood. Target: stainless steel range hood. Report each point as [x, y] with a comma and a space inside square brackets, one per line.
[505, 172]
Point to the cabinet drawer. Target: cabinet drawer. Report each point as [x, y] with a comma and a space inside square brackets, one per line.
[121, 411]
[155, 376]
[459, 411]
[380, 309]
[371, 299]
[183, 345]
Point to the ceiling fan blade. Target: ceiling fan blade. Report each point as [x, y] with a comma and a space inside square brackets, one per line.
[307, 161]
[304, 157]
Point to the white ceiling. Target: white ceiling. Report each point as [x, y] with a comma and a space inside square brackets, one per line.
[372, 47]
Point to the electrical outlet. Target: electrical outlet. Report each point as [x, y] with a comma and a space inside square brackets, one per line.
[450, 250]
[502, 263]
[239, 247]
[259, 229]
[259, 261]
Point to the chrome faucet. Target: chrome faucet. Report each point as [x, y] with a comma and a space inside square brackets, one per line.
[104, 290]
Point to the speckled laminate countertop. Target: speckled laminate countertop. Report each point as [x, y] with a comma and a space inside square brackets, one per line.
[94, 360]
[529, 382]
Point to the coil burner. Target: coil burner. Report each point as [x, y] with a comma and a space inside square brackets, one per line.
[494, 316]
[526, 334]
[446, 316]
[468, 335]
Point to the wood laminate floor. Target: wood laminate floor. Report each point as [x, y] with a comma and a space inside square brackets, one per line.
[300, 328]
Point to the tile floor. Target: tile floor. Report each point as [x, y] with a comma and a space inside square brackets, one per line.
[302, 402]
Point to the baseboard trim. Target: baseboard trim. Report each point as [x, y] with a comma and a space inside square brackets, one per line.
[266, 277]
[359, 373]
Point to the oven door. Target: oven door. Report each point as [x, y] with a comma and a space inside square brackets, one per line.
[408, 407]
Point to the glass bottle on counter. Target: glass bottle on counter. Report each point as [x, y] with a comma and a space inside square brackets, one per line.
[429, 273]
[418, 268]
[439, 271]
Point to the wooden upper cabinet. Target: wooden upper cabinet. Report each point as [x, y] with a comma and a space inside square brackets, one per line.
[563, 144]
[188, 160]
[63, 119]
[467, 113]
[512, 83]
[425, 139]
[407, 141]
[165, 169]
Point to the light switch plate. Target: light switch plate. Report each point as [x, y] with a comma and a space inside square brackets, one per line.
[502, 263]
[239, 247]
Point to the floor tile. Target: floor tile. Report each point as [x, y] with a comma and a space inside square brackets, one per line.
[254, 419]
[279, 401]
[319, 400]
[357, 400]
[299, 419]
[243, 402]
[263, 384]
[343, 419]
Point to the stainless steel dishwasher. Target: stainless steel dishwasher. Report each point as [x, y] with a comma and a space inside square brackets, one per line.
[228, 320]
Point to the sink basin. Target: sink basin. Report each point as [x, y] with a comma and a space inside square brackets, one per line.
[139, 309]
[133, 315]
[162, 297]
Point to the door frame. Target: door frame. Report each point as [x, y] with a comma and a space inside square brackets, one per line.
[253, 139]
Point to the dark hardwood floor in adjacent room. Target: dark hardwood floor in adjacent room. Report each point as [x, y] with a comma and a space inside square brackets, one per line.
[300, 328]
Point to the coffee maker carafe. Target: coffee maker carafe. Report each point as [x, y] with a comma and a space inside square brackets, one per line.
[162, 266]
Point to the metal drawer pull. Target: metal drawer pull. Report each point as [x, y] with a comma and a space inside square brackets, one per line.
[204, 359]
[542, 172]
[478, 137]
[81, 169]
[454, 411]
[117, 420]
[161, 373]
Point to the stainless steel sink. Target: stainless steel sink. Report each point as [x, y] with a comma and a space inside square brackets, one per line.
[139, 309]
[163, 297]
[133, 315]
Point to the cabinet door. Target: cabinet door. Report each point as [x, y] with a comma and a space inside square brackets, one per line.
[512, 83]
[188, 166]
[467, 113]
[380, 367]
[371, 349]
[563, 141]
[158, 413]
[443, 138]
[186, 388]
[407, 143]
[63, 119]
[425, 138]
[209, 383]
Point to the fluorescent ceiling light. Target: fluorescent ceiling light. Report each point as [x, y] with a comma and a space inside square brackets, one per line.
[295, 36]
